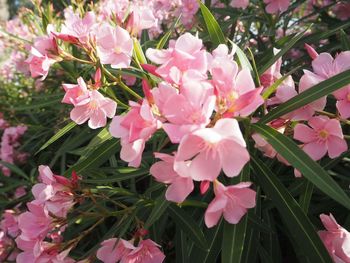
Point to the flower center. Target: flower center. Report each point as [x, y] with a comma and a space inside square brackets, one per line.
[93, 105]
[323, 134]
[118, 50]
[348, 97]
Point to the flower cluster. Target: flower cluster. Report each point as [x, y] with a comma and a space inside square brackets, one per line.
[41, 227]
[119, 250]
[10, 142]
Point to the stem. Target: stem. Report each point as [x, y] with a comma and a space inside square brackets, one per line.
[333, 116]
[121, 84]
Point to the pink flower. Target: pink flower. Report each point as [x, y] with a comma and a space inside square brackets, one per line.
[180, 185]
[188, 9]
[239, 3]
[235, 89]
[76, 29]
[88, 105]
[39, 64]
[56, 197]
[146, 252]
[48, 254]
[9, 223]
[336, 239]
[213, 149]
[110, 252]
[232, 202]
[140, 18]
[324, 67]
[342, 11]
[134, 129]
[75, 93]
[276, 6]
[186, 53]
[186, 111]
[114, 46]
[325, 135]
[35, 223]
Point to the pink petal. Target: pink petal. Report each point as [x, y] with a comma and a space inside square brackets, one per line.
[244, 82]
[304, 133]
[336, 146]
[233, 157]
[179, 189]
[343, 107]
[205, 167]
[80, 114]
[97, 119]
[323, 65]
[315, 150]
[229, 129]
[214, 211]
[189, 146]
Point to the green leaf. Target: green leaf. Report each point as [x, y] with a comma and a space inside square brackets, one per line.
[318, 91]
[293, 216]
[160, 206]
[162, 42]
[117, 177]
[214, 236]
[242, 58]
[58, 135]
[310, 169]
[97, 157]
[139, 52]
[234, 235]
[283, 51]
[181, 247]
[344, 39]
[15, 169]
[214, 30]
[188, 226]
[305, 197]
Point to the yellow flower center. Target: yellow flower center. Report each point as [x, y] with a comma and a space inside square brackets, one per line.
[93, 105]
[118, 50]
[323, 134]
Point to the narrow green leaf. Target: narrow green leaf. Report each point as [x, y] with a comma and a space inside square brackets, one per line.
[97, 157]
[214, 30]
[117, 177]
[139, 52]
[242, 58]
[283, 51]
[58, 135]
[181, 247]
[318, 91]
[310, 169]
[214, 236]
[344, 39]
[305, 197]
[162, 42]
[268, 92]
[160, 206]
[15, 169]
[293, 216]
[188, 226]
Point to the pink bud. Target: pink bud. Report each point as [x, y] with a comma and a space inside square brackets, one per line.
[204, 186]
[311, 51]
[146, 87]
[151, 69]
[97, 78]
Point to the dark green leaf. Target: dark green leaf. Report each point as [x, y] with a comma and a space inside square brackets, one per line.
[188, 226]
[214, 30]
[294, 217]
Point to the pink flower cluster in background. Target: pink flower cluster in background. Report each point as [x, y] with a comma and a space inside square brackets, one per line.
[39, 230]
[10, 142]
